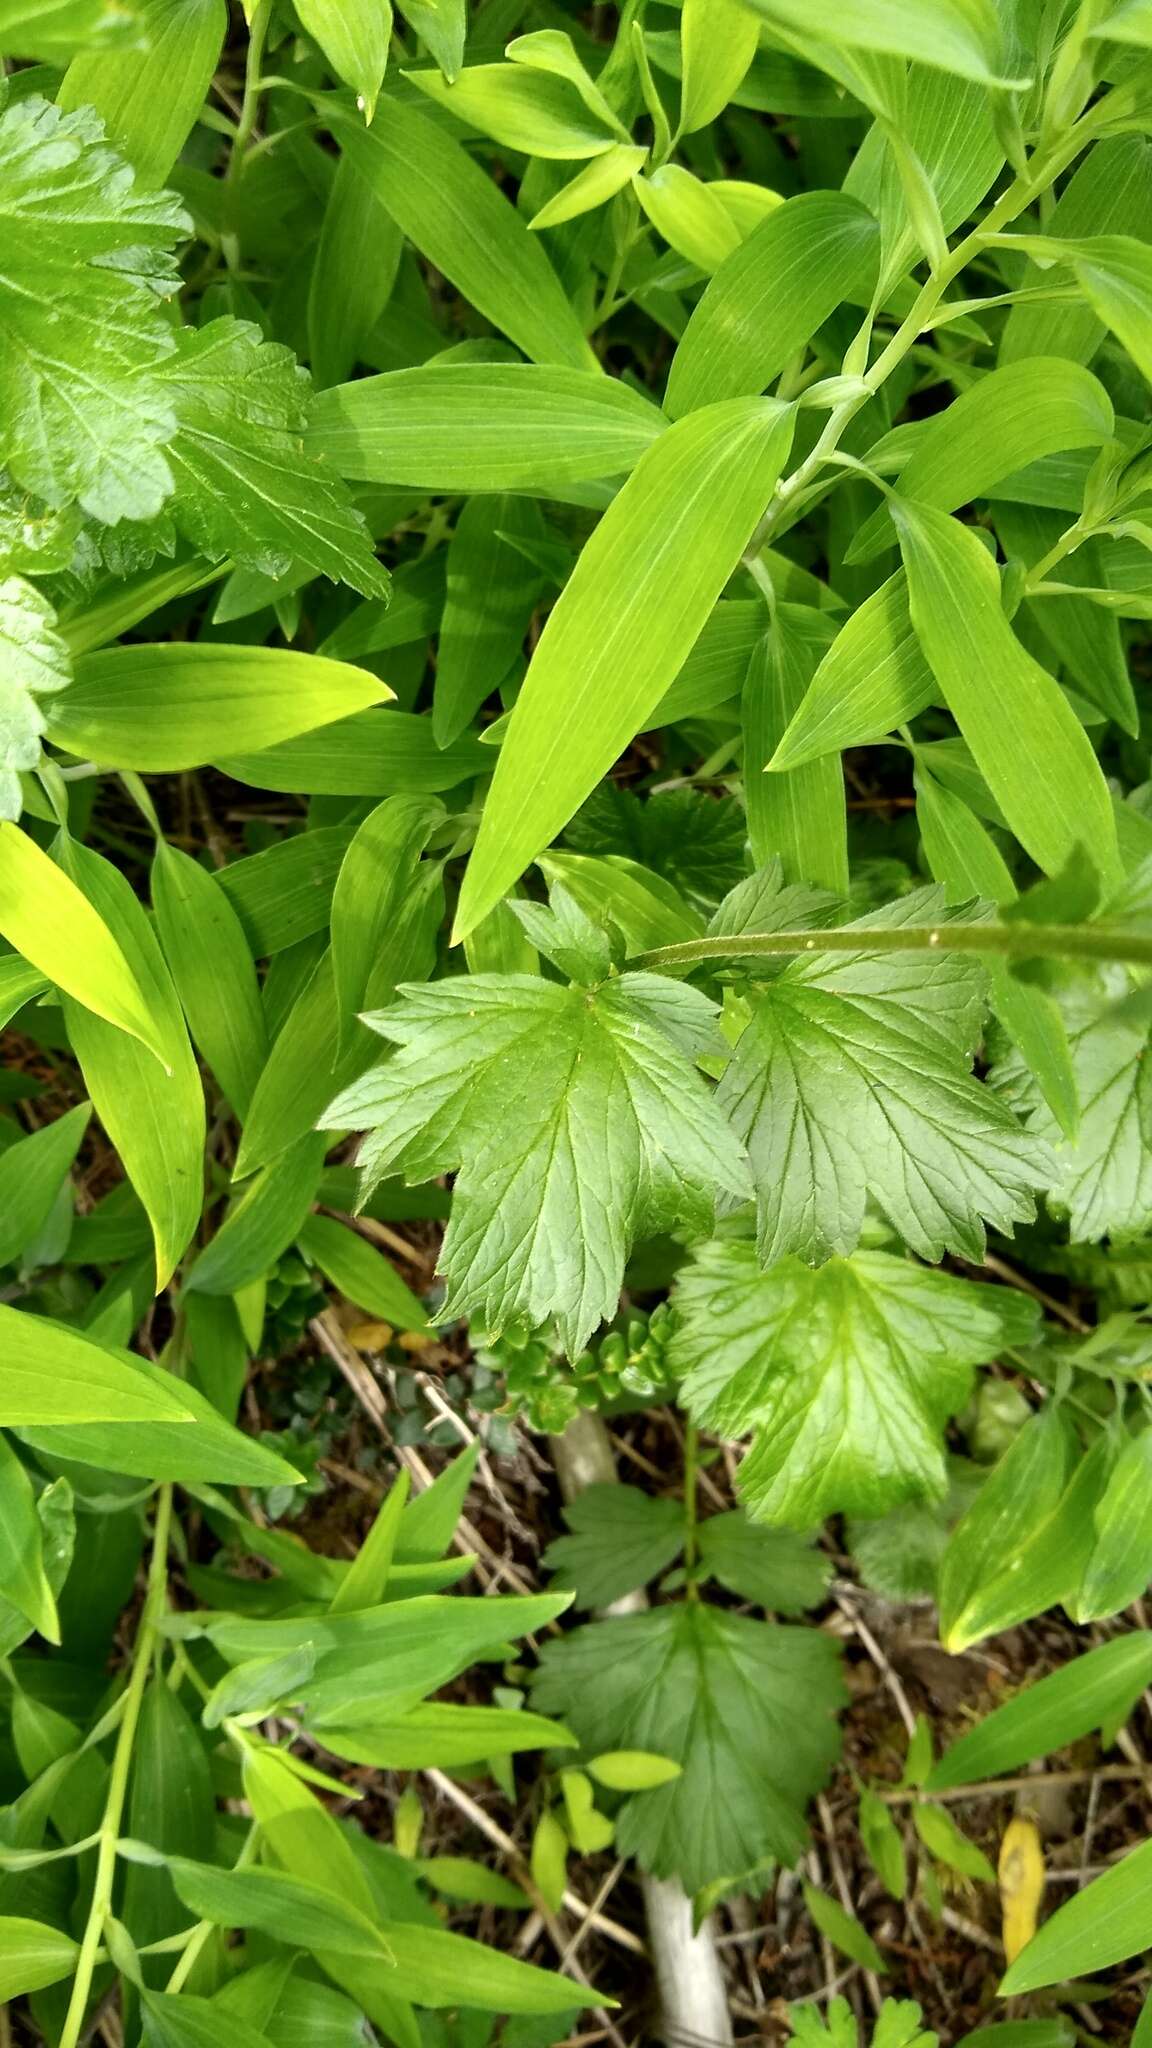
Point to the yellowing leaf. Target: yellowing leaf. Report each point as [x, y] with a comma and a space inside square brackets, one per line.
[1020, 1870]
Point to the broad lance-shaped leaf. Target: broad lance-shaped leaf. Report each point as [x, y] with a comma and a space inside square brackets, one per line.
[246, 484]
[852, 1080]
[718, 1694]
[33, 664]
[844, 1376]
[636, 601]
[576, 1120]
[82, 409]
[1012, 713]
[769, 297]
[1103, 1176]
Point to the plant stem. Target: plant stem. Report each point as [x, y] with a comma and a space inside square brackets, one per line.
[249, 115]
[691, 1464]
[147, 1636]
[1016, 941]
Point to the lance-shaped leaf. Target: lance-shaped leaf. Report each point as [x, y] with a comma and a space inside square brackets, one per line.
[844, 1376]
[635, 603]
[82, 255]
[996, 692]
[716, 1693]
[852, 1080]
[150, 98]
[577, 1123]
[961, 36]
[769, 297]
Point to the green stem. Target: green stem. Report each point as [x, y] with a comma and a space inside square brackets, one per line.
[1017, 941]
[691, 1465]
[249, 113]
[147, 1637]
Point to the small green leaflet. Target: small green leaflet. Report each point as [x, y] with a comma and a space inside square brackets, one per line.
[514, 1081]
[33, 663]
[716, 1693]
[620, 1538]
[82, 411]
[861, 1044]
[845, 1375]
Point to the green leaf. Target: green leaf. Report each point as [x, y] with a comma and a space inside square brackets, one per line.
[361, 1275]
[32, 1955]
[56, 1516]
[718, 40]
[510, 1081]
[245, 487]
[288, 1908]
[1103, 1177]
[368, 1575]
[632, 1770]
[458, 1877]
[181, 2021]
[354, 36]
[860, 1043]
[213, 700]
[53, 1374]
[524, 108]
[346, 296]
[716, 1693]
[35, 664]
[883, 1843]
[689, 215]
[646, 581]
[214, 973]
[373, 753]
[488, 604]
[960, 36]
[964, 857]
[600, 180]
[172, 1807]
[32, 1172]
[150, 99]
[846, 1375]
[463, 224]
[153, 1441]
[1110, 1920]
[370, 903]
[1013, 416]
[620, 1538]
[873, 678]
[842, 1929]
[26, 31]
[48, 920]
[1120, 1567]
[22, 1569]
[437, 1735]
[83, 411]
[484, 427]
[770, 296]
[799, 816]
[1096, 1690]
[264, 1221]
[780, 1571]
[948, 1843]
[153, 1112]
[954, 594]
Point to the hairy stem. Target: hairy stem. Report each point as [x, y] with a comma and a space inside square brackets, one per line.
[1016, 941]
[147, 1637]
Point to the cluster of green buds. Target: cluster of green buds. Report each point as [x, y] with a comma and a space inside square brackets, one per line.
[628, 1366]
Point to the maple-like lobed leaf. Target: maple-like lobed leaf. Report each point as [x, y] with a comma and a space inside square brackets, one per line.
[34, 662]
[575, 1121]
[852, 1080]
[84, 258]
[844, 1374]
[721, 1695]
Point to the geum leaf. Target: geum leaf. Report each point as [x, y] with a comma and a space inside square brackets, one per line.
[247, 485]
[33, 663]
[845, 1375]
[575, 1119]
[718, 1694]
[851, 1080]
[82, 409]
